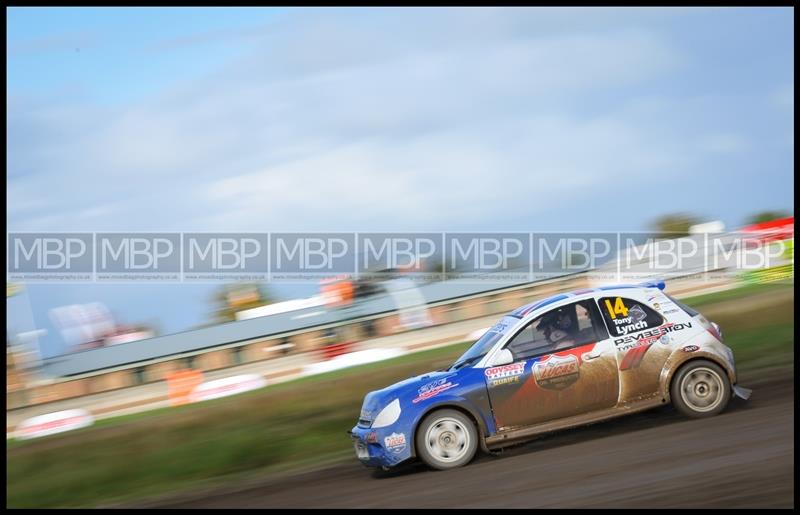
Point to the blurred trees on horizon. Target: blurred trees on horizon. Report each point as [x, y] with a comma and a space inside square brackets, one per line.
[677, 223]
[766, 216]
[231, 298]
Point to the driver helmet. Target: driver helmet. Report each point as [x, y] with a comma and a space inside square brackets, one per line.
[558, 326]
[562, 321]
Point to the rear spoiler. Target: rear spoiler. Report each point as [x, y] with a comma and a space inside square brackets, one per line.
[660, 284]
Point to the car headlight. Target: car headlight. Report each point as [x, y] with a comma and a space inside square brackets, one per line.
[388, 415]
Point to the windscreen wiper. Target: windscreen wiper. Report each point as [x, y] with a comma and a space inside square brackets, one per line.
[468, 361]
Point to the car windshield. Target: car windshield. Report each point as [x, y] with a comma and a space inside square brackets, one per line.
[485, 343]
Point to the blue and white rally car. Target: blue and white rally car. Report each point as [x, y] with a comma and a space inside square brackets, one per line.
[567, 360]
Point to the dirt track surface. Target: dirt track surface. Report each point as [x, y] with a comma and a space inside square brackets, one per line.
[741, 458]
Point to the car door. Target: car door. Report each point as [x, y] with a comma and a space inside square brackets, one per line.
[553, 377]
[642, 341]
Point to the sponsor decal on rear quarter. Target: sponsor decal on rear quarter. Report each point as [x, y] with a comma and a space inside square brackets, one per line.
[629, 342]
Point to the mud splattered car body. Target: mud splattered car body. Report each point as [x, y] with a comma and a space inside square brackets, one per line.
[567, 360]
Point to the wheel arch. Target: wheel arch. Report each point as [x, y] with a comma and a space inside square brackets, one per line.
[668, 373]
[469, 412]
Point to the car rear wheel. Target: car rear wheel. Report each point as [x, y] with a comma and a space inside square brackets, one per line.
[446, 439]
[700, 389]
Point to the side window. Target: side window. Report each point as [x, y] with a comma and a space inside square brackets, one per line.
[559, 329]
[624, 316]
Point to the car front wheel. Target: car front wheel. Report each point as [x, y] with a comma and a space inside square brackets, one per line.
[700, 389]
[446, 439]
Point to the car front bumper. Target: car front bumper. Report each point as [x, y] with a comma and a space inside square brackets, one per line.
[380, 447]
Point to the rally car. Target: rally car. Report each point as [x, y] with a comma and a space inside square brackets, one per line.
[567, 360]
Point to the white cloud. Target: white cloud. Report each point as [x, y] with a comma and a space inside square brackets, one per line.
[344, 121]
[508, 167]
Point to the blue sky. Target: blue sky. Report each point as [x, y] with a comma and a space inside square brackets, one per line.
[263, 119]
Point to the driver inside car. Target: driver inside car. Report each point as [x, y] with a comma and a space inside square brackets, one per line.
[560, 330]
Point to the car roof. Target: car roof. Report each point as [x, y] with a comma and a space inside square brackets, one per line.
[527, 309]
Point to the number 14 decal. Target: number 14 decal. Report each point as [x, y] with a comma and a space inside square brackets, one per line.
[618, 309]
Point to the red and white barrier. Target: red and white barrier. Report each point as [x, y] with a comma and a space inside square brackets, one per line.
[52, 423]
[352, 359]
[227, 386]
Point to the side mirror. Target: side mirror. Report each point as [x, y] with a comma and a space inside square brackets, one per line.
[504, 358]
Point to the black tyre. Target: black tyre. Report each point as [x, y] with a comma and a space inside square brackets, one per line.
[446, 439]
[700, 389]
